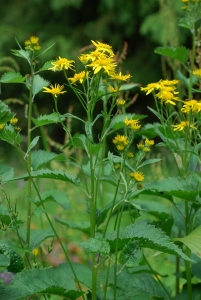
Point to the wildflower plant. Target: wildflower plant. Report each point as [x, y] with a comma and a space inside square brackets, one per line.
[116, 251]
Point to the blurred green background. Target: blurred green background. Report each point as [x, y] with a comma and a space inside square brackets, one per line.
[71, 25]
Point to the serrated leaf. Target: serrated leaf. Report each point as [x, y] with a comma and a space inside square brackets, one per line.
[5, 113]
[131, 255]
[110, 179]
[54, 281]
[192, 241]
[95, 245]
[148, 236]
[12, 77]
[6, 172]
[47, 65]
[48, 119]
[46, 173]
[38, 84]
[81, 225]
[9, 135]
[38, 212]
[179, 53]
[57, 196]
[41, 157]
[36, 236]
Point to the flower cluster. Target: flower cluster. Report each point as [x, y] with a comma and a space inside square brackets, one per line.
[166, 90]
[32, 44]
[146, 145]
[79, 77]
[13, 122]
[132, 124]
[183, 125]
[121, 141]
[191, 106]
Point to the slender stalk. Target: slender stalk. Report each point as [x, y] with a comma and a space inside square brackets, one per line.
[188, 253]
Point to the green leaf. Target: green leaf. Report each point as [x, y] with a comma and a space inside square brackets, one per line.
[38, 84]
[129, 86]
[6, 172]
[9, 135]
[12, 77]
[149, 161]
[192, 241]
[110, 179]
[148, 236]
[96, 245]
[57, 196]
[179, 53]
[82, 226]
[54, 281]
[186, 80]
[5, 215]
[47, 65]
[131, 255]
[41, 157]
[21, 53]
[48, 119]
[88, 130]
[33, 144]
[78, 141]
[46, 173]
[15, 261]
[4, 261]
[36, 236]
[5, 113]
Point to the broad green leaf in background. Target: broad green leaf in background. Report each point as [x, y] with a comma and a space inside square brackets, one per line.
[21, 53]
[5, 113]
[12, 77]
[186, 80]
[57, 196]
[131, 255]
[78, 141]
[46, 65]
[148, 236]
[6, 172]
[96, 245]
[88, 130]
[36, 236]
[38, 84]
[179, 53]
[129, 86]
[83, 226]
[32, 144]
[192, 241]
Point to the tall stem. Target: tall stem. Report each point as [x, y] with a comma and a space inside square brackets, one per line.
[188, 253]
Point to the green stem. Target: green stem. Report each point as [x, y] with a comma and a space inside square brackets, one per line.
[192, 63]
[188, 253]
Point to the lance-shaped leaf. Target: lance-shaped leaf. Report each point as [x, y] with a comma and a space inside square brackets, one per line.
[47, 65]
[192, 241]
[57, 196]
[83, 226]
[46, 173]
[148, 236]
[5, 113]
[48, 119]
[9, 135]
[179, 53]
[129, 86]
[12, 77]
[54, 281]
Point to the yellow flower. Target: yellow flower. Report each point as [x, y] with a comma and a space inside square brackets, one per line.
[149, 142]
[183, 125]
[84, 58]
[61, 64]
[191, 105]
[2, 126]
[140, 146]
[133, 124]
[120, 77]
[151, 87]
[146, 149]
[167, 95]
[120, 141]
[55, 90]
[117, 166]
[113, 90]
[94, 55]
[103, 48]
[34, 39]
[13, 121]
[16, 128]
[197, 72]
[35, 251]
[138, 176]
[130, 154]
[32, 44]
[106, 64]
[79, 77]
[120, 102]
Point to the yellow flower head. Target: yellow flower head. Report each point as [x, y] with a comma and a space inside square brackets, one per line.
[113, 90]
[191, 105]
[54, 90]
[133, 124]
[120, 77]
[197, 72]
[32, 44]
[13, 121]
[140, 146]
[120, 102]
[79, 77]
[183, 125]
[146, 149]
[2, 126]
[16, 128]
[107, 64]
[103, 48]
[148, 142]
[35, 251]
[151, 87]
[61, 64]
[130, 154]
[34, 39]
[138, 176]
[120, 141]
